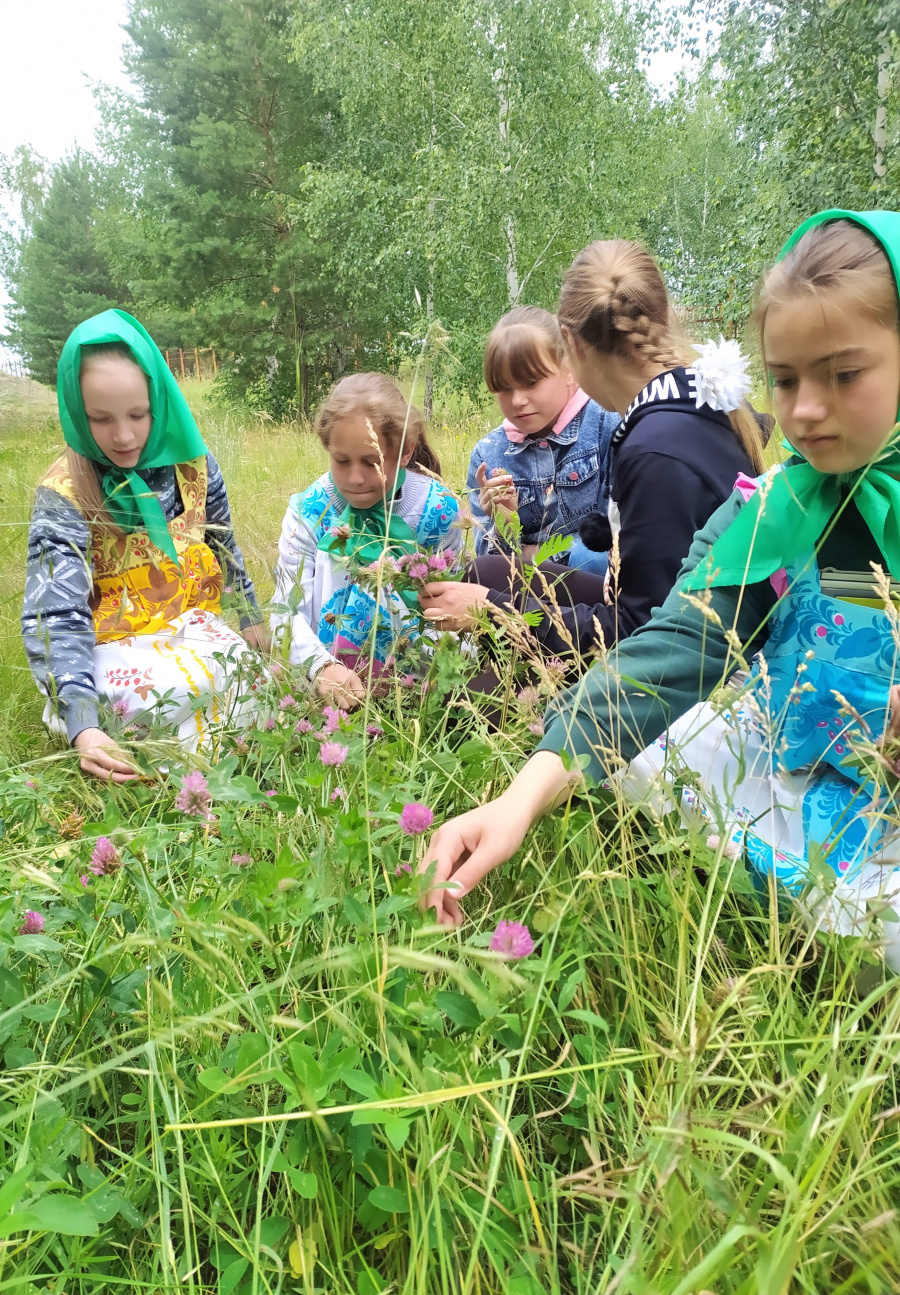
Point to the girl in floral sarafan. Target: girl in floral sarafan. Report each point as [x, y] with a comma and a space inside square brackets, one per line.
[793, 767]
[130, 536]
[357, 544]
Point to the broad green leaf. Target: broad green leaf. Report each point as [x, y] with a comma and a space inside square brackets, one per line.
[64, 1214]
[305, 1185]
[230, 1276]
[458, 1008]
[389, 1199]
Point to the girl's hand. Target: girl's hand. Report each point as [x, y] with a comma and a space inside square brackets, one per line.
[468, 847]
[102, 757]
[258, 637]
[499, 492]
[451, 604]
[340, 686]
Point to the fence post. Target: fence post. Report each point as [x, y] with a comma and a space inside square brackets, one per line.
[196, 363]
[168, 361]
[215, 366]
[181, 357]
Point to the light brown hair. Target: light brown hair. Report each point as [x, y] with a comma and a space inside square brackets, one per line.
[375, 397]
[522, 347]
[614, 299]
[839, 257]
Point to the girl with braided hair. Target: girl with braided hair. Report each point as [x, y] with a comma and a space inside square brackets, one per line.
[795, 767]
[684, 438]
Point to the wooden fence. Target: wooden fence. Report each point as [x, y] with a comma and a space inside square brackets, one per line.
[192, 362]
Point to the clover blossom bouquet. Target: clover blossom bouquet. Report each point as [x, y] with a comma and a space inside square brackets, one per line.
[407, 574]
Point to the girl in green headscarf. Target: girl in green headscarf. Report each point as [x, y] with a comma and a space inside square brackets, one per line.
[785, 770]
[129, 536]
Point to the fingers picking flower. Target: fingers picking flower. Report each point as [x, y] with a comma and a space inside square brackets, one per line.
[332, 753]
[513, 940]
[194, 799]
[105, 858]
[33, 923]
[416, 818]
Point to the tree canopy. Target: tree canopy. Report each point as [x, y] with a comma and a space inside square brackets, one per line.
[306, 187]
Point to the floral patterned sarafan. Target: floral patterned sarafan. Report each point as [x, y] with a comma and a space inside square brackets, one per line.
[137, 589]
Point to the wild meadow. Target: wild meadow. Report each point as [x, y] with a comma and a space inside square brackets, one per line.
[237, 1059]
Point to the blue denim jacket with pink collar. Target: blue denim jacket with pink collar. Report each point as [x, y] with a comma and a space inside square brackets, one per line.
[560, 477]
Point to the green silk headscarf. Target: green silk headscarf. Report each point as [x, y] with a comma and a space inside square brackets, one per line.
[371, 534]
[785, 518]
[174, 435]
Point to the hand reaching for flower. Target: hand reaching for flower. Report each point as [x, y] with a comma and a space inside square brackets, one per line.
[340, 686]
[452, 604]
[102, 757]
[468, 847]
[496, 492]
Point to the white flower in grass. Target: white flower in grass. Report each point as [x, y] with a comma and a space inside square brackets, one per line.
[722, 378]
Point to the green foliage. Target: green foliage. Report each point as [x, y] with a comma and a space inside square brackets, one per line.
[215, 147]
[59, 273]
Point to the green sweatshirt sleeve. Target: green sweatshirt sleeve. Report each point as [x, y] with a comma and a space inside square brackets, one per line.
[673, 661]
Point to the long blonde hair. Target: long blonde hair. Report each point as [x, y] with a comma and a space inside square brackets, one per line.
[614, 300]
[376, 397]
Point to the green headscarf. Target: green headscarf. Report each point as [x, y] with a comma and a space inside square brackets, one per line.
[174, 435]
[371, 535]
[785, 518]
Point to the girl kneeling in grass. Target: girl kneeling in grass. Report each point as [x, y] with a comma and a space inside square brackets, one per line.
[790, 769]
[371, 503]
[123, 584]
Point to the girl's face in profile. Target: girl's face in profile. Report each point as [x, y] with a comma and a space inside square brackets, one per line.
[533, 408]
[835, 373]
[363, 468]
[117, 404]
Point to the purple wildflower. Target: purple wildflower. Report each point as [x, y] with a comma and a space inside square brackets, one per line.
[402, 868]
[30, 783]
[85, 879]
[227, 589]
[512, 939]
[338, 794]
[241, 860]
[269, 724]
[374, 731]
[120, 708]
[537, 728]
[408, 680]
[528, 696]
[332, 718]
[271, 793]
[332, 753]
[33, 924]
[303, 726]
[416, 818]
[194, 798]
[418, 570]
[438, 562]
[105, 857]
[288, 702]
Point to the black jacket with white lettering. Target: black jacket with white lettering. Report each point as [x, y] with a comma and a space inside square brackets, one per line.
[671, 465]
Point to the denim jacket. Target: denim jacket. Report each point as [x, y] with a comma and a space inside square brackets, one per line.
[560, 477]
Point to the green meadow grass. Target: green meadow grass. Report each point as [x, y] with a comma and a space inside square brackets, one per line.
[274, 1076]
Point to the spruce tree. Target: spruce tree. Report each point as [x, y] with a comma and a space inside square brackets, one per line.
[59, 274]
